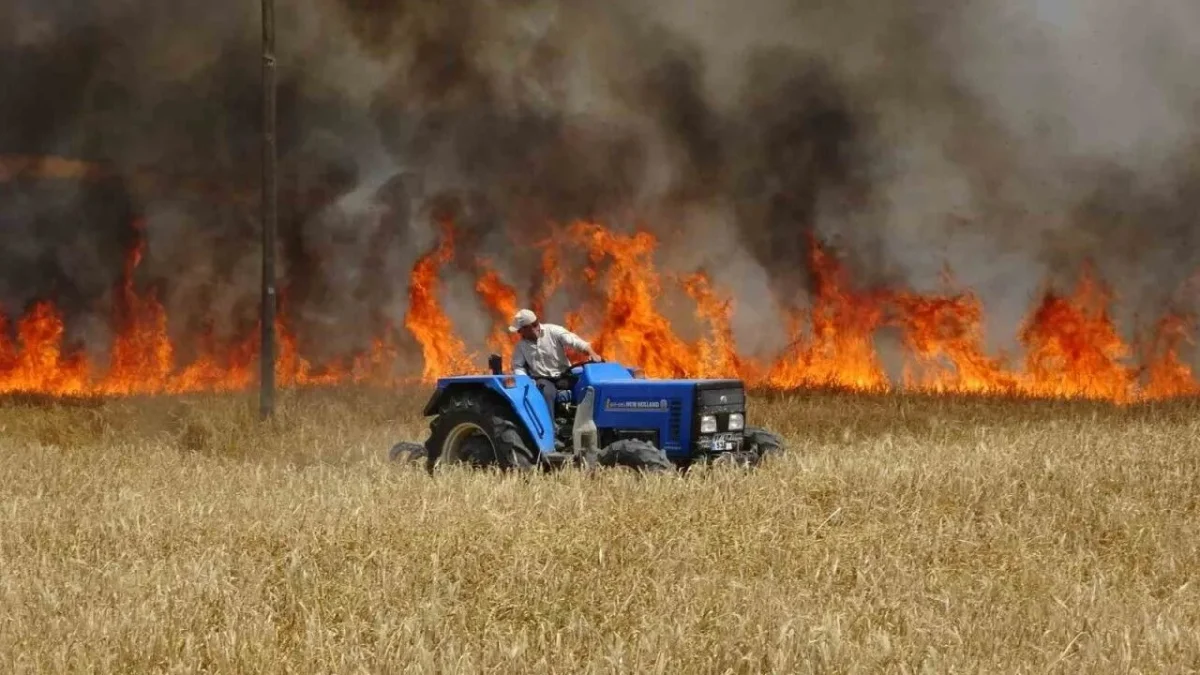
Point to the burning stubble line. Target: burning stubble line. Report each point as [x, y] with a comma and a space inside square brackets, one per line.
[1072, 347]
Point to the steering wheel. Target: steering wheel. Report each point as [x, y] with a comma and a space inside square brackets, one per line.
[569, 373]
[576, 364]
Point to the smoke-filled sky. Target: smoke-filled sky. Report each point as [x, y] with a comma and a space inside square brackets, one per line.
[1010, 139]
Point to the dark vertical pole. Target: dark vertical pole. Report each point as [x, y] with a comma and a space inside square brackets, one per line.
[269, 214]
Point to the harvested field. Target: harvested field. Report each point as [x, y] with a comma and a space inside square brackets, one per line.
[898, 534]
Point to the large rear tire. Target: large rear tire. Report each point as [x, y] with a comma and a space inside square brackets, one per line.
[473, 428]
[635, 454]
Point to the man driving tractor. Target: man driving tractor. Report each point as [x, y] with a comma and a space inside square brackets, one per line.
[541, 352]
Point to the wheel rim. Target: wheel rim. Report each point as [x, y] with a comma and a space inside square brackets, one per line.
[456, 440]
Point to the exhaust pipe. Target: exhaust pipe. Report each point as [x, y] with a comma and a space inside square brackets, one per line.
[584, 437]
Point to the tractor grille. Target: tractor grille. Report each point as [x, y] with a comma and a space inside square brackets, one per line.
[675, 421]
[725, 397]
[720, 399]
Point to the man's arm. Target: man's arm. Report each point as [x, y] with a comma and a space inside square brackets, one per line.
[519, 366]
[577, 343]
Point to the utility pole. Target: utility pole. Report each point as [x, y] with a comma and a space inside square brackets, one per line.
[269, 214]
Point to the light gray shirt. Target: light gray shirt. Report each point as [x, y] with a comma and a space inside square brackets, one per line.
[548, 356]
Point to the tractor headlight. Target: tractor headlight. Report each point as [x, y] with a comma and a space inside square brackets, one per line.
[708, 424]
[737, 422]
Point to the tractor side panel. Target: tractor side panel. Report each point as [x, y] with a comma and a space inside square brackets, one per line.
[649, 405]
[530, 408]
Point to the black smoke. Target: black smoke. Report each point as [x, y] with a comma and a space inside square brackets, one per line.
[856, 125]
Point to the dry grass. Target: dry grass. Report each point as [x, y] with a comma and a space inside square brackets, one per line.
[901, 534]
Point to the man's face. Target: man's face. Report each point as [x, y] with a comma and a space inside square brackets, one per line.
[530, 333]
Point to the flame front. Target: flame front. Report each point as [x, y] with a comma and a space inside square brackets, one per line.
[444, 352]
[1071, 345]
[501, 300]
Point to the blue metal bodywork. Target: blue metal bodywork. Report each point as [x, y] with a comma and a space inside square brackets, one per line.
[633, 404]
[623, 401]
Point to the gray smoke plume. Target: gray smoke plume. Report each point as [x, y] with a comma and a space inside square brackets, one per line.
[1010, 139]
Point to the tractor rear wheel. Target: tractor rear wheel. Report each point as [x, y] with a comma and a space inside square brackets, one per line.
[635, 454]
[473, 428]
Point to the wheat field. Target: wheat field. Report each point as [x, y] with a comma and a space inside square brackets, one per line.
[899, 534]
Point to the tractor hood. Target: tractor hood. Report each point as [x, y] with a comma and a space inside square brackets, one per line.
[618, 389]
[681, 416]
[608, 373]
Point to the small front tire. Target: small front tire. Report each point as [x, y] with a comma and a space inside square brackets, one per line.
[764, 444]
[635, 454]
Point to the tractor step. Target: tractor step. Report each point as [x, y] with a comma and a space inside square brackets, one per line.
[559, 459]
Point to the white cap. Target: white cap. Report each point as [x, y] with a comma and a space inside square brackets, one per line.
[521, 319]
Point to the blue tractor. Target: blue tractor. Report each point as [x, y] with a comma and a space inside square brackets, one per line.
[606, 414]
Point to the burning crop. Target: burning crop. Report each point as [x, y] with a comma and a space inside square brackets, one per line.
[1072, 347]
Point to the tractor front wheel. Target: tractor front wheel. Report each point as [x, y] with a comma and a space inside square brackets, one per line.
[635, 454]
[763, 444]
[473, 428]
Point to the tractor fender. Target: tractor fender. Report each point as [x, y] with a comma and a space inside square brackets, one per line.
[435, 401]
[520, 396]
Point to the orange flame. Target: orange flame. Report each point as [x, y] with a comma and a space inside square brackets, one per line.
[839, 352]
[1166, 374]
[718, 355]
[944, 340]
[142, 354]
[631, 328]
[444, 352]
[44, 167]
[39, 364]
[551, 278]
[501, 300]
[1072, 347]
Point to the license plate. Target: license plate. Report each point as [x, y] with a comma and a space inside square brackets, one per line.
[722, 442]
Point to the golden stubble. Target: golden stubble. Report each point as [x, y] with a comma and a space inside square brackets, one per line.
[899, 534]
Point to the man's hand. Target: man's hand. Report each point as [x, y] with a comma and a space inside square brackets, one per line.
[593, 357]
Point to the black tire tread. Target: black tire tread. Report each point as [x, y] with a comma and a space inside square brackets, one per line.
[765, 444]
[406, 451]
[634, 454]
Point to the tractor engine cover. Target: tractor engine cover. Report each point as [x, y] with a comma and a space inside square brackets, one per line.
[683, 417]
